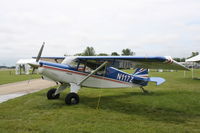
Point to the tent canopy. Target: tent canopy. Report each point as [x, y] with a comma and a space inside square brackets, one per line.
[25, 61]
[194, 59]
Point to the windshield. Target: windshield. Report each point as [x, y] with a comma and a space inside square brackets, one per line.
[70, 60]
[82, 66]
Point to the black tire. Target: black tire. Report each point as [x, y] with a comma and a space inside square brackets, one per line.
[72, 98]
[50, 94]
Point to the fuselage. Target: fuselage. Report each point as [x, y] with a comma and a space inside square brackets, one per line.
[109, 78]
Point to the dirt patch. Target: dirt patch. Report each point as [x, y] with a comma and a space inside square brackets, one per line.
[9, 91]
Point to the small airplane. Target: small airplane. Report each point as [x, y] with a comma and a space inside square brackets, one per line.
[99, 72]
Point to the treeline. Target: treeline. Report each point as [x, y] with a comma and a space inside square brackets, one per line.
[6, 67]
[183, 59]
[89, 51]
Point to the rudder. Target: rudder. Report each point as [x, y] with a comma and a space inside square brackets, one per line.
[141, 72]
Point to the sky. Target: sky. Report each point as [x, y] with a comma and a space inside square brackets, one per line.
[147, 27]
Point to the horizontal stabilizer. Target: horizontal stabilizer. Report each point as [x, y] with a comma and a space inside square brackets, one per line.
[158, 80]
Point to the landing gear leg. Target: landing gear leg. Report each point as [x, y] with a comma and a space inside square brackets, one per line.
[72, 98]
[144, 91]
[55, 93]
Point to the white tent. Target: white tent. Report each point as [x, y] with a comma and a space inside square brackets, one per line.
[22, 66]
[194, 59]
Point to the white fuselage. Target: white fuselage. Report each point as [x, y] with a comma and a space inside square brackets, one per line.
[70, 76]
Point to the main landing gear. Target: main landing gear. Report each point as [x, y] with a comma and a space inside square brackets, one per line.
[144, 91]
[70, 99]
[51, 94]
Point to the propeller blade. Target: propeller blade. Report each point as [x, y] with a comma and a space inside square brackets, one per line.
[40, 52]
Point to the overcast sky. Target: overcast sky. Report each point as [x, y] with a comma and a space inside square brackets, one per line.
[147, 27]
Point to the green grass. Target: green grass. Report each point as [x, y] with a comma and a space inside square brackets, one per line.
[173, 107]
[9, 76]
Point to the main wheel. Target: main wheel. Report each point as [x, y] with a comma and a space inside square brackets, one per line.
[72, 98]
[50, 94]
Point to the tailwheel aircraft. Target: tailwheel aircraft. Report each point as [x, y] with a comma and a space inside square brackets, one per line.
[99, 72]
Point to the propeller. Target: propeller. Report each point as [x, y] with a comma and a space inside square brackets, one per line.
[40, 52]
[35, 65]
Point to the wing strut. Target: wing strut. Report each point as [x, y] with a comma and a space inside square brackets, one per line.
[102, 65]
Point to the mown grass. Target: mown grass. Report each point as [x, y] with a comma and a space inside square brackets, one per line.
[9, 76]
[171, 107]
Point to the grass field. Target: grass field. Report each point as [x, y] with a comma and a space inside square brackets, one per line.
[8, 76]
[173, 107]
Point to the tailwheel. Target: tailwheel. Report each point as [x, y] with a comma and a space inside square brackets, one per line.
[50, 94]
[72, 98]
[144, 91]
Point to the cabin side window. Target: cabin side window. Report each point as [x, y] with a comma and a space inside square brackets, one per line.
[83, 68]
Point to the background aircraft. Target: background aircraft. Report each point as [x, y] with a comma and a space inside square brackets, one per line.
[99, 72]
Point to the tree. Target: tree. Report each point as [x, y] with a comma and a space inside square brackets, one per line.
[78, 54]
[127, 52]
[102, 54]
[182, 60]
[114, 54]
[89, 51]
[194, 54]
[179, 59]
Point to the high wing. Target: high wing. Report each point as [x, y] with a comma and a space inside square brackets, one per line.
[154, 62]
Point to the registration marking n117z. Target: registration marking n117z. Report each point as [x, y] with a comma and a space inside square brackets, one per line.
[125, 77]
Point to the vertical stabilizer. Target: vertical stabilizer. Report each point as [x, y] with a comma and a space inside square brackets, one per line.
[141, 72]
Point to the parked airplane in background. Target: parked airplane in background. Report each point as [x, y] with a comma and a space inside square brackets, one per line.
[99, 72]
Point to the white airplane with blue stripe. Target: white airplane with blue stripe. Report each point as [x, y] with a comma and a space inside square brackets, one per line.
[99, 72]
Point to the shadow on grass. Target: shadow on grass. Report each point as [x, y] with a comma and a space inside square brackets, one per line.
[156, 113]
[123, 103]
[196, 78]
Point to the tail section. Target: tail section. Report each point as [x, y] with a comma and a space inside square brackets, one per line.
[141, 77]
